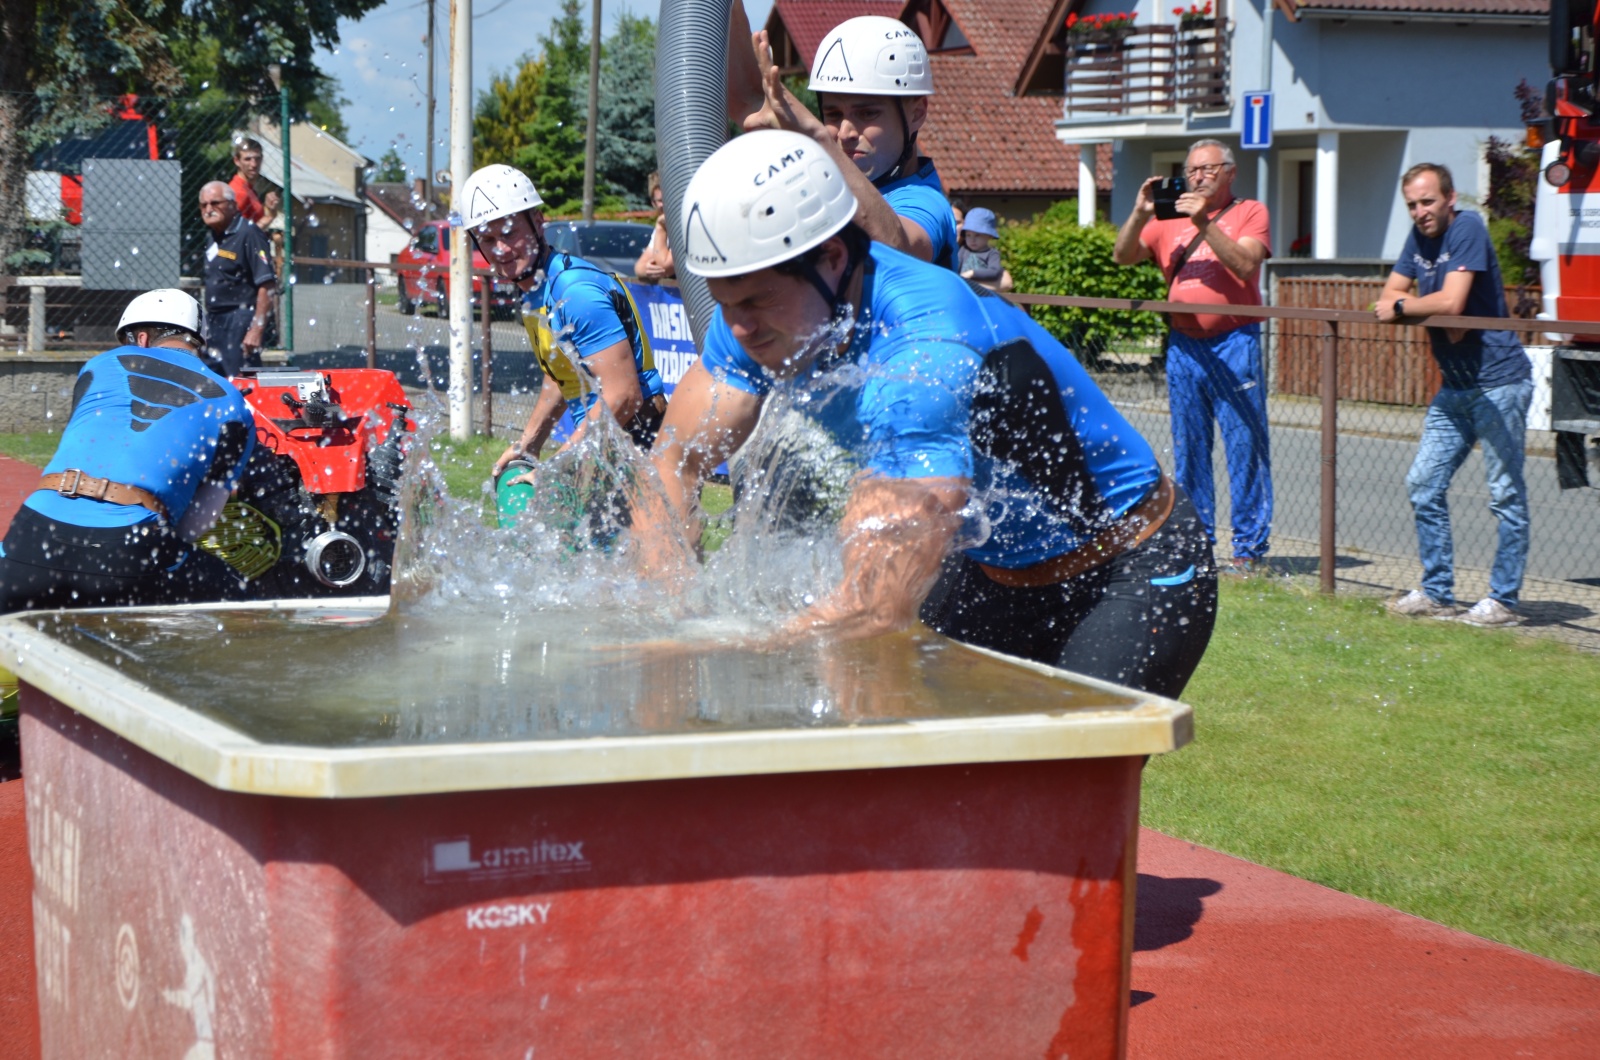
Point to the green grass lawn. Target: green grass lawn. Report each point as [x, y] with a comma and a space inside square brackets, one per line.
[1450, 772]
[35, 448]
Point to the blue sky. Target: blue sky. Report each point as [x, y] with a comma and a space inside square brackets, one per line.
[382, 65]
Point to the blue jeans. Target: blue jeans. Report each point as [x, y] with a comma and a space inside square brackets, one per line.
[1221, 378]
[1497, 417]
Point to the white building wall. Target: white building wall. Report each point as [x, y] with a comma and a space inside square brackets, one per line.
[385, 238]
[1397, 93]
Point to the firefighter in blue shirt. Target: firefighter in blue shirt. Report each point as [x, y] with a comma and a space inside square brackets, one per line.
[579, 317]
[994, 486]
[155, 443]
[873, 81]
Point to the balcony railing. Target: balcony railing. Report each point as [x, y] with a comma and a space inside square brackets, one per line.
[1146, 70]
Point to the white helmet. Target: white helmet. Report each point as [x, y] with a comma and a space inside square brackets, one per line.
[167, 307]
[872, 55]
[493, 192]
[761, 199]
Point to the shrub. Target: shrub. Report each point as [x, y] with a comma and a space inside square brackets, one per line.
[1052, 255]
[1513, 181]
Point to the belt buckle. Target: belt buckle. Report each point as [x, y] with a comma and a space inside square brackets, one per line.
[72, 490]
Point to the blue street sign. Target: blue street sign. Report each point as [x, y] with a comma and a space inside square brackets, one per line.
[1257, 132]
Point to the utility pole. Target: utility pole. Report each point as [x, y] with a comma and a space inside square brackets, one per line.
[594, 114]
[460, 244]
[286, 325]
[427, 152]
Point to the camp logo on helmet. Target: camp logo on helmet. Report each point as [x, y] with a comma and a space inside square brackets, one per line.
[776, 168]
[698, 235]
[481, 204]
[829, 69]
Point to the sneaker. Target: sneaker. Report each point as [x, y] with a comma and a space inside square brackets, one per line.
[1418, 604]
[1491, 613]
[1243, 567]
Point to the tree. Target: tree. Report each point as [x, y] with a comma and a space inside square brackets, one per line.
[60, 60]
[504, 113]
[391, 168]
[325, 111]
[553, 152]
[625, 149]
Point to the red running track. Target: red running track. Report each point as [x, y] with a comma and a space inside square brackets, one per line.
[17, 480]
[1231, 960]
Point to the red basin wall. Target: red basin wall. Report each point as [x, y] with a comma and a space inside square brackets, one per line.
[941, 911]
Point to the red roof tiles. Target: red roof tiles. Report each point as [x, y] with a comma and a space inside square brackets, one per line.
[1434, 7]
[982, 138]
[808, 20]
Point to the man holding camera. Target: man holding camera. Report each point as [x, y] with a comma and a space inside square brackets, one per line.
[1210, 246]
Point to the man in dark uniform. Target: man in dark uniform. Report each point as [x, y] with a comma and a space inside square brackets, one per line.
[239, 282]
[155, 444]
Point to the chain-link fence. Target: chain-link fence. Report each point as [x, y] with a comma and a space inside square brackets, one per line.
[1385, 379]
[98, 203]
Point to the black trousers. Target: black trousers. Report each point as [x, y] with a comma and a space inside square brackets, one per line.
[1142, 620]
[225, 330]
[49, 565]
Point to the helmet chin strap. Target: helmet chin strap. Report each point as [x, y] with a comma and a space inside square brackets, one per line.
[832, 296]
[535, 269]
[908, 153]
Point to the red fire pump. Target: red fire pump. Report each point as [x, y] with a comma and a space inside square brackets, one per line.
[318, 509]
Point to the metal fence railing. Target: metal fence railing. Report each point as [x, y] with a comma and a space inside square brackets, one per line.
[1339, 464]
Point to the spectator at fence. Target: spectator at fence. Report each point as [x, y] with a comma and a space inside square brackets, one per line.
[247, 159]
[1213, 254]
[946, 398]
[152, 448]
[239, 282]
[1450, 264]
[655, 261]
[980, 258]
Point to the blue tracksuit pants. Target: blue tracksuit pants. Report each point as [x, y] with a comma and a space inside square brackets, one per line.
[1222, 378]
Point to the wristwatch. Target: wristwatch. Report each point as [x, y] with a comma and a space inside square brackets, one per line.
[1399, 308]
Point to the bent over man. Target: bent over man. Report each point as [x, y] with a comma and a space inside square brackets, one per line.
[579, 317]
[155, 444]
[996, 488]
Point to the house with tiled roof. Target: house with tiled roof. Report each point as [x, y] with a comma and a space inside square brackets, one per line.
[992, 147]
[395, 211]
[1358, 91]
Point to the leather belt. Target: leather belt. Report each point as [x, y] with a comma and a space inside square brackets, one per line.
[75, 483]
[1126, 534]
